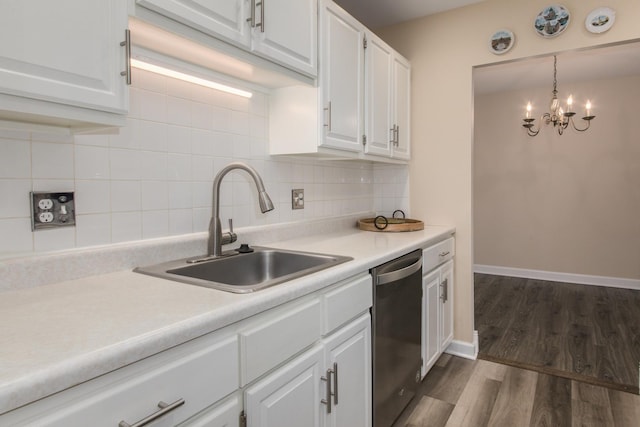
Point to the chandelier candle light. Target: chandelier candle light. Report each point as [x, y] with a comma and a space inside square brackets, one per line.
[557, 116]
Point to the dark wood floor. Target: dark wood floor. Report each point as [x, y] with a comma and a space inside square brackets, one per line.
[580, 332]
[458, 392]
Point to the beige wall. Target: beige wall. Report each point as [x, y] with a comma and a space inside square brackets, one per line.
[443, 49]
[567, 203]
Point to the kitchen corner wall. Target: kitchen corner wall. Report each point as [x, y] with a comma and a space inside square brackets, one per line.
[443, 49]
[153, 178]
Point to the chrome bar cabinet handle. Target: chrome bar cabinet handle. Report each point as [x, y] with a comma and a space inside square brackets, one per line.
[327, 401]
[252, 19]
[328, 121]
[127, 47]
[335, 383]
[261, 24]
[165, 408]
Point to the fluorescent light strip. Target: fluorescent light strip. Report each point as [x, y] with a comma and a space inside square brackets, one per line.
[188, 78]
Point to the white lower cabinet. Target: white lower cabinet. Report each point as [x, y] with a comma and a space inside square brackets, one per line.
[222, 414]
[437, 302]
[348, 361]
[187, 378]
[273, 369]
[329, 385]
[290, 396]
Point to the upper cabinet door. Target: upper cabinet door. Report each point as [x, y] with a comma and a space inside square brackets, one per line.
[401, 102]
[225, 18]
[65, 51]
[341, 78]
[286, 32]
[379, 97]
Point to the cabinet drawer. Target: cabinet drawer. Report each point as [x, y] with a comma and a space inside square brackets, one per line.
[276, 336]
[199, 372]
[346, 301]
[437, 254]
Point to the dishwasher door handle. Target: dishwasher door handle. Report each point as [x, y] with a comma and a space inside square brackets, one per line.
[393, 276]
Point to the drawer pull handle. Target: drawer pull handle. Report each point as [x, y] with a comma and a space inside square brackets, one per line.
[327, 401]
[443, 254]
[165, 408]
[335, 383]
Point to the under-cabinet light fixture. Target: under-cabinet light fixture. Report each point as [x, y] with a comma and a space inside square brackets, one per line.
[142, 65]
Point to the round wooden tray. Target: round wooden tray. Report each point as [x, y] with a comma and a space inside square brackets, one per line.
[394, 224]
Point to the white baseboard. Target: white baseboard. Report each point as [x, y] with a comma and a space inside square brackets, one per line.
[582, 279]
[464, 349]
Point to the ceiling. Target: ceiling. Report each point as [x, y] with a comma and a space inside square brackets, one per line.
[574, 66]
[381, 13]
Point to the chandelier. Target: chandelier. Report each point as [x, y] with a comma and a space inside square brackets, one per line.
[557, 116]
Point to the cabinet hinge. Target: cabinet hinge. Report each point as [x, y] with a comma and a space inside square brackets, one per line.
[364, 42]
[364, 139]
[243, 419]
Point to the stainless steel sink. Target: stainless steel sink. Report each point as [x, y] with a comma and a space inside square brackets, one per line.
[245, 272]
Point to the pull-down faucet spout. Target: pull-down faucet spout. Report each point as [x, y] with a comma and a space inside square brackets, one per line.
[214, 247]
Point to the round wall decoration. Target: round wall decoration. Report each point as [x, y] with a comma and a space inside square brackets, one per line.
[552, 21]
[501, 41]
[600, 20]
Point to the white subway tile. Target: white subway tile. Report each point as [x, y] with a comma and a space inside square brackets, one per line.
[125, 164]
[92, 197]
[125, 196]
[155, 195]
[14, 198]
[180, 221]
[91, 162]
[124, 137]
[201, 218]
[179, 167]
[155, 224]
[54, 239]
[180, 195]
[16, 236]
[201, 115]
[178, 139]
[154, 166]
[52, 160]
[93, 229]
[153, 106]
[221, 119]
[126, 226]
[92, 140]
[240, 123]
[178, 111]
[53, 185]
[202, 168]
[151, 136]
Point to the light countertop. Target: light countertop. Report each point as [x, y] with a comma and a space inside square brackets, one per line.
[55, 336]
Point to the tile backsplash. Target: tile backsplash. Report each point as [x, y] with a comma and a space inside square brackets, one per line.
[153, 177]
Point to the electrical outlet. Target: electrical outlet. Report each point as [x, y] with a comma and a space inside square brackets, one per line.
[297, 198]
[51, 210]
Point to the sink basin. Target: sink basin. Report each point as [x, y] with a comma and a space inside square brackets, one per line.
[241, 273]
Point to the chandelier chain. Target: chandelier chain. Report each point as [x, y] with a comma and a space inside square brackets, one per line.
[555, 75]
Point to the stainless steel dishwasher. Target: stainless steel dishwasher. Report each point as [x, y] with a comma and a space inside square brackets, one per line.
[396, 318]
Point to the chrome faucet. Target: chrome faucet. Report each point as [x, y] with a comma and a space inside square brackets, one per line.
[216, 238]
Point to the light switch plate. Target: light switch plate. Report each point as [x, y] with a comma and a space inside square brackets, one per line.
[297, 198]
[52, 210]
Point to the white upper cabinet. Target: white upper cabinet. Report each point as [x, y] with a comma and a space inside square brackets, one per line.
[286, 31]
[224, 18]
[401, 103]
[341, 78]
[66, 52]
[379, 111]
[282, 31]
[387, 80]
[360, 109]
